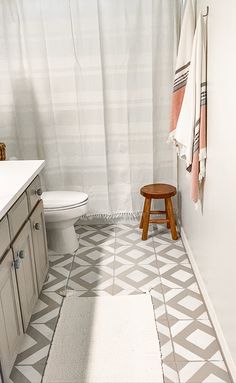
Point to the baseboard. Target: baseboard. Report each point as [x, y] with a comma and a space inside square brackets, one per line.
[213, 317]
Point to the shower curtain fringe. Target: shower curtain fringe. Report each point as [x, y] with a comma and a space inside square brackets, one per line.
[110, 218]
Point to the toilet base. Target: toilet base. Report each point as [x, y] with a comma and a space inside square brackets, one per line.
[62, 240]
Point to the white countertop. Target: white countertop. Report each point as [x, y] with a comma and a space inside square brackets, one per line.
[15, 177]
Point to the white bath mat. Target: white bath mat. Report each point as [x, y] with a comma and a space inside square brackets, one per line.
[105, 340]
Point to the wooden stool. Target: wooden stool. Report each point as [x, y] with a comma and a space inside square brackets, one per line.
[158, 191]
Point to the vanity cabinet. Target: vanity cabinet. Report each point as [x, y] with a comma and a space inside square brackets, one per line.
[10, 317]
[23, 269]
[37, 223]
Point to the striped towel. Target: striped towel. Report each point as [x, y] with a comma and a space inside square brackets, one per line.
[190, 132]
[182, 63]
[200, 131]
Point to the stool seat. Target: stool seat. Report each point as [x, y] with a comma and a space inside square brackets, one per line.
[158, 191]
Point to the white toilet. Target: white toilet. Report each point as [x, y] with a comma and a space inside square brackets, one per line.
[62, 209]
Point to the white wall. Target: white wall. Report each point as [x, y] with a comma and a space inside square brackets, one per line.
[212, 234]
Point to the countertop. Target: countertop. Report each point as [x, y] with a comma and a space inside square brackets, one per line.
[15, 177]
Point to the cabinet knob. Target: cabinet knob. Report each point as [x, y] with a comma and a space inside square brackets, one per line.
[37, 226]
[21, 254]
[38, 192]
[16, 263]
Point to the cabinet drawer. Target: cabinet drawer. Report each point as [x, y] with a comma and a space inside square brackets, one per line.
[34, 193]
[17, 215]
[4, 236]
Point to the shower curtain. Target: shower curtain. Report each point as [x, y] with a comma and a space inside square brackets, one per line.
[85, 85]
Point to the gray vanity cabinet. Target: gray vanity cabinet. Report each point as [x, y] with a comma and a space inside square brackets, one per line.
[25, 272]
[10, 317]
[39, 244]
[23, 269]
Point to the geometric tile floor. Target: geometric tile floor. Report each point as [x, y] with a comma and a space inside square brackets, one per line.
[112, 260]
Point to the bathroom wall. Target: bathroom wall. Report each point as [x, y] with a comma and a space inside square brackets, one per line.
[211, 234]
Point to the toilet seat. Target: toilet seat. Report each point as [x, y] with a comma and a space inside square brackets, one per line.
[63, 200]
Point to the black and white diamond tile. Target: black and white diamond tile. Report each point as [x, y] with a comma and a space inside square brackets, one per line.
[90, 293]
[194, 341]
[32, 357]
[158, 304]
[47, 309]
[94, 256]
[184, 304]
[170, 372]
[129, 235]
[91, 278]
[96, 239]
[177, 275]
[83, 229]
[118, 291]
[124, 228]
[204, 371]
[60, 260]
[27, 374]
[113, 260]
[140, 277]
[166, 344]
[166, 239]
[101, 236]
[35, 345]
[171, 254]
[129, 255]
[57, 279]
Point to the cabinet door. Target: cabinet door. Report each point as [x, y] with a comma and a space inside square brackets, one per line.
[18, 215]
[39, 244]
[34, 192]
[25, 272]
[10, 318]
[4, 236]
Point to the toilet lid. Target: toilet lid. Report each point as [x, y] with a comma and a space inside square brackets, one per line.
[63, 199]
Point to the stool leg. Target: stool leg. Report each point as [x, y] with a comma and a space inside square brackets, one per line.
[167, 216]
[141, 221]
[171, 218]
[146, 216]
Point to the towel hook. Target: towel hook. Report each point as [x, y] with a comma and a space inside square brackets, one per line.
[206, 12]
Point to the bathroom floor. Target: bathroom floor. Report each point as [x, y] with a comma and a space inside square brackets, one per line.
[112, 260]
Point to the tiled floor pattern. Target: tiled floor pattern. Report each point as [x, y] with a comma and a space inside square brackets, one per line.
[112, 260]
